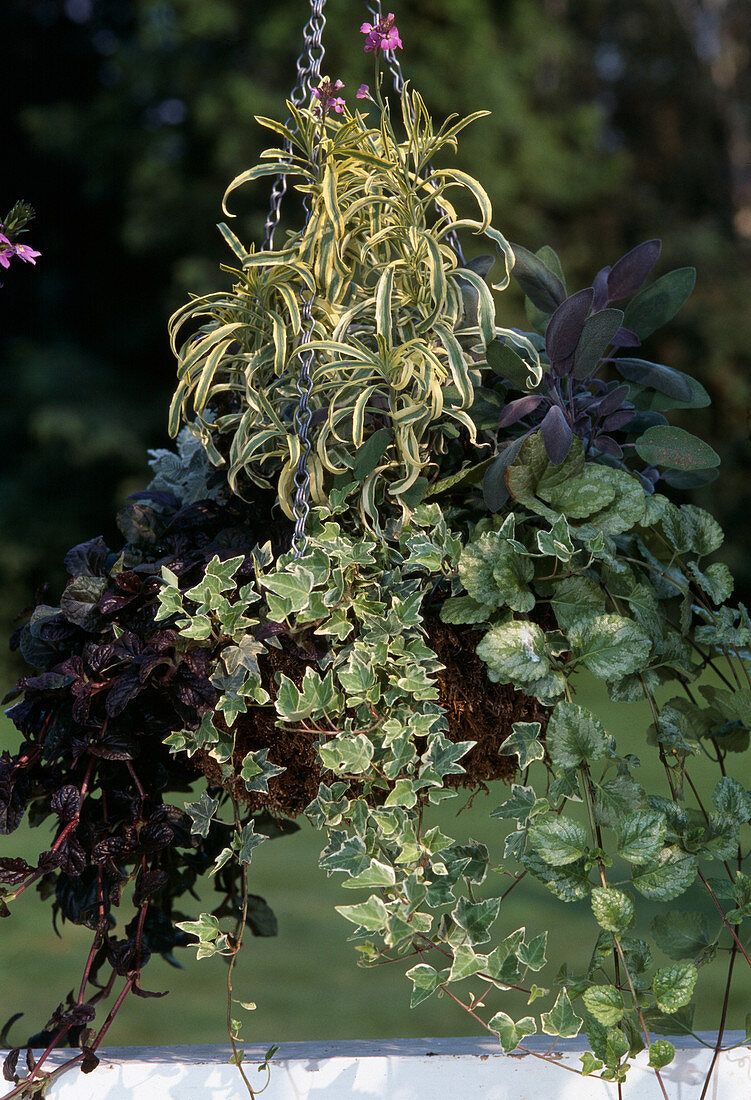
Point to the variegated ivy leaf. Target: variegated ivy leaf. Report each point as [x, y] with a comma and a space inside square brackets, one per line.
[442, 758]
[556, 542]
[425, 980]
[218, 578]
[610, 646]
[347, 755]
[207, 930]
[522, 805]
[561, 1020]
[476, 918]
[376, 874]
[371, 914]
[293, 587]
[524, 742]
[496, 573]
[344, 853]
[532, 954]
[466, 963]
[201, 813]
[247, 841]
[256, 771]
[511, 1032]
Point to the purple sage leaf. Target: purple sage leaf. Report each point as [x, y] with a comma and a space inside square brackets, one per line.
[556, 435]
[516, 410]
[565, 326]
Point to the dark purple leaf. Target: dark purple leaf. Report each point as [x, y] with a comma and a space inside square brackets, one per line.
[9, 1066]
[66, 802]
[48, 681]
[608, 446]
[139, 992]
[112, 847]
[14, 871]
[154, 837]
[124, 689]
[89, 1061]
[518, 409]
[115, 746]
[630, 272]
[88, 559]
[78, 602]
[49, 861]
[625, 338]
[149, 882]
[600, 288]
[618, 420]
[494, 488]
[556, 434]
[612, 401]
[565, 326]
[72, 857]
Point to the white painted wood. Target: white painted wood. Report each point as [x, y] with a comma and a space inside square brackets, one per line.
[402, 1069]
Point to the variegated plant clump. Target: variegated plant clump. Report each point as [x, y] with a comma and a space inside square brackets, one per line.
[399, 328]
[476, 490]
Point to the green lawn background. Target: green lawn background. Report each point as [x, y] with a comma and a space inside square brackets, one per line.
[305, 982]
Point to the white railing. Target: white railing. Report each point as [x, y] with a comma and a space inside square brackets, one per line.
[399, 1069]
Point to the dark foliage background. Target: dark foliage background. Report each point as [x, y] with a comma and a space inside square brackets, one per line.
[123, 120]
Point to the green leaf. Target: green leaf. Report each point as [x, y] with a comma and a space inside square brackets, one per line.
[576, 596]
[293, 585]
[610, 646]
[681, 935]
[466, 963]
[730, 798]
[510, 1032]
[605, 1003]
[657, 304]
[569, 883]
[425, 980]
[476, 918]
[375, 874]
[201, 813]
[247, 842]
[673, 383]
[256, 771]
[533, 954]
[347, 755]
[580, 496]
[668, 877]
[661, 1053]
[541, 285]
[590, 1064]
[495, 574]
[514, 651]
[370, 454]
[596, 337]
[574, 736]
[524, 742]
[613, 909]
[504, 361]
[522, 804]
[641, 836]
[371, 914]
[673, 986]
[561, 1020]
[664, 445]
[558, 840]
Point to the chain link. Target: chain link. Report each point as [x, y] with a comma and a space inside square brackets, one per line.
[308, 77]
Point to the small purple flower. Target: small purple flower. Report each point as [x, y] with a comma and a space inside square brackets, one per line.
[4, 239]
[327, 99]
[363, 92]
[28, 255]
[383, 35]
[5, 256]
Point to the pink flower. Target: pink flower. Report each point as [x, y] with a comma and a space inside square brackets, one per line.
[383, 35]
[3, 239]
[5, 257]
[328, 101]
[363, 92]
[28, 255]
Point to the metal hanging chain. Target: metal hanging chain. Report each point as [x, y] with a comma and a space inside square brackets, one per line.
[308, 77]
[394, 66]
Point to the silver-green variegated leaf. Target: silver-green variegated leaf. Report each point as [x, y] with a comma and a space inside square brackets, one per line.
[610, 646]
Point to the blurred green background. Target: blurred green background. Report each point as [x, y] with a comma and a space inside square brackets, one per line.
[123, 120]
